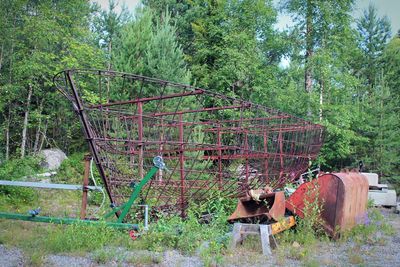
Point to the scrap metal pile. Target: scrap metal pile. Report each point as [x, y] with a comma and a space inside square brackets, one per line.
[209, 142]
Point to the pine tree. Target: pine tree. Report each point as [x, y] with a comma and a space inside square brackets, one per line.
[374, 33]
[150, 50]
[323, 28]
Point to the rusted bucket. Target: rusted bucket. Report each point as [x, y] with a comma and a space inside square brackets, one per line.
[342, 196]
[269, 206]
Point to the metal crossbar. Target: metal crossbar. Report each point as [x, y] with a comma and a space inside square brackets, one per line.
[50, 185]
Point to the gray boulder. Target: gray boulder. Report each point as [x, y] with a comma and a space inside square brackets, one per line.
[52, 158]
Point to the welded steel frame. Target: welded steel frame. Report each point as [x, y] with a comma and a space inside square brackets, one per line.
[271, 128]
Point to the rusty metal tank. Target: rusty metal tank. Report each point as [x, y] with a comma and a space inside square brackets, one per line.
[343, 197]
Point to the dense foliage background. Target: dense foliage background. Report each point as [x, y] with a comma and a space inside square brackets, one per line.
[343, 73]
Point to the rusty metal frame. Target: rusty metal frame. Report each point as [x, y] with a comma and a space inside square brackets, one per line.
[146, 117]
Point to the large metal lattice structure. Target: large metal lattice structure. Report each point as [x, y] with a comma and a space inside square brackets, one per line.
[209, 142]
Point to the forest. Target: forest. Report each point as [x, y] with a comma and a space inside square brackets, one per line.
[341, 72]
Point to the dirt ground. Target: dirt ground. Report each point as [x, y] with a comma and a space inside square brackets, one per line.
[385, 252]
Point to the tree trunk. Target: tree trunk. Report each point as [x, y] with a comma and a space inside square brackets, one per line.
[12, 51]
[321, 99]
[8, 133]
[37, 136]
[43, 136]
[1, 56]
[25, 125]
[309, 54]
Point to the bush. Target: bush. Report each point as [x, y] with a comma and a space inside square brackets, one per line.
[15, 170]
[72, 169]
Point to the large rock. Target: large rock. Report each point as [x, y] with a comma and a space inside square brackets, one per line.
[52, 158]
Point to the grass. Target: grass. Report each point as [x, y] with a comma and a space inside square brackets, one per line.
[192, 236]
[373, 231]
[38, 239]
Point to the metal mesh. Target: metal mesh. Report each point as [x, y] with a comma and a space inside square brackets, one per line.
[208, 141]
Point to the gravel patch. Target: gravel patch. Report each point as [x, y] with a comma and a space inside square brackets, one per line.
[11, 257]
[174, 258]
[62, 260]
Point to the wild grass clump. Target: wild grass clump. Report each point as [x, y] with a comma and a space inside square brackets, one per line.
[372, 229]
[79, 237]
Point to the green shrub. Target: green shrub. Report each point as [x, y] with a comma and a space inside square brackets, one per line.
[15, 170]
[72, 169]
[308, 229]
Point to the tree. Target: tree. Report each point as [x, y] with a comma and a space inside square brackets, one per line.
[107, 25]
[182, 15]
[377, 95]
[150, 49]
[41, 38]
[374, 33]
[386, 121]
[391, 63]
[326, 48]
[234, 48]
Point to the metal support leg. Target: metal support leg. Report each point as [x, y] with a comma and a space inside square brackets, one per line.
[236, 236]
[84, 188]
[264, 236]
[241, 230]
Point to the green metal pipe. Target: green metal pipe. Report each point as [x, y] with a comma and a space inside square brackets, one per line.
[136, 193]
[56, 220]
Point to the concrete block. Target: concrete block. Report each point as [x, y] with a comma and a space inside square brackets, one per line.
[382, 198]
[373, 178]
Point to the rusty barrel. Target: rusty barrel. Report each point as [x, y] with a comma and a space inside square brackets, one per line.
[343, 198]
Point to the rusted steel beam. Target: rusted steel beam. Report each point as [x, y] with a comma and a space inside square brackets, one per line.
[88, 132]
[147, 99]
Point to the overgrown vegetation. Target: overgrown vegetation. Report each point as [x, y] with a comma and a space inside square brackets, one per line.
[204, 231]
[71, 170]
[298, 243]
[44, 239]
[18, 169]
[373, 229]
